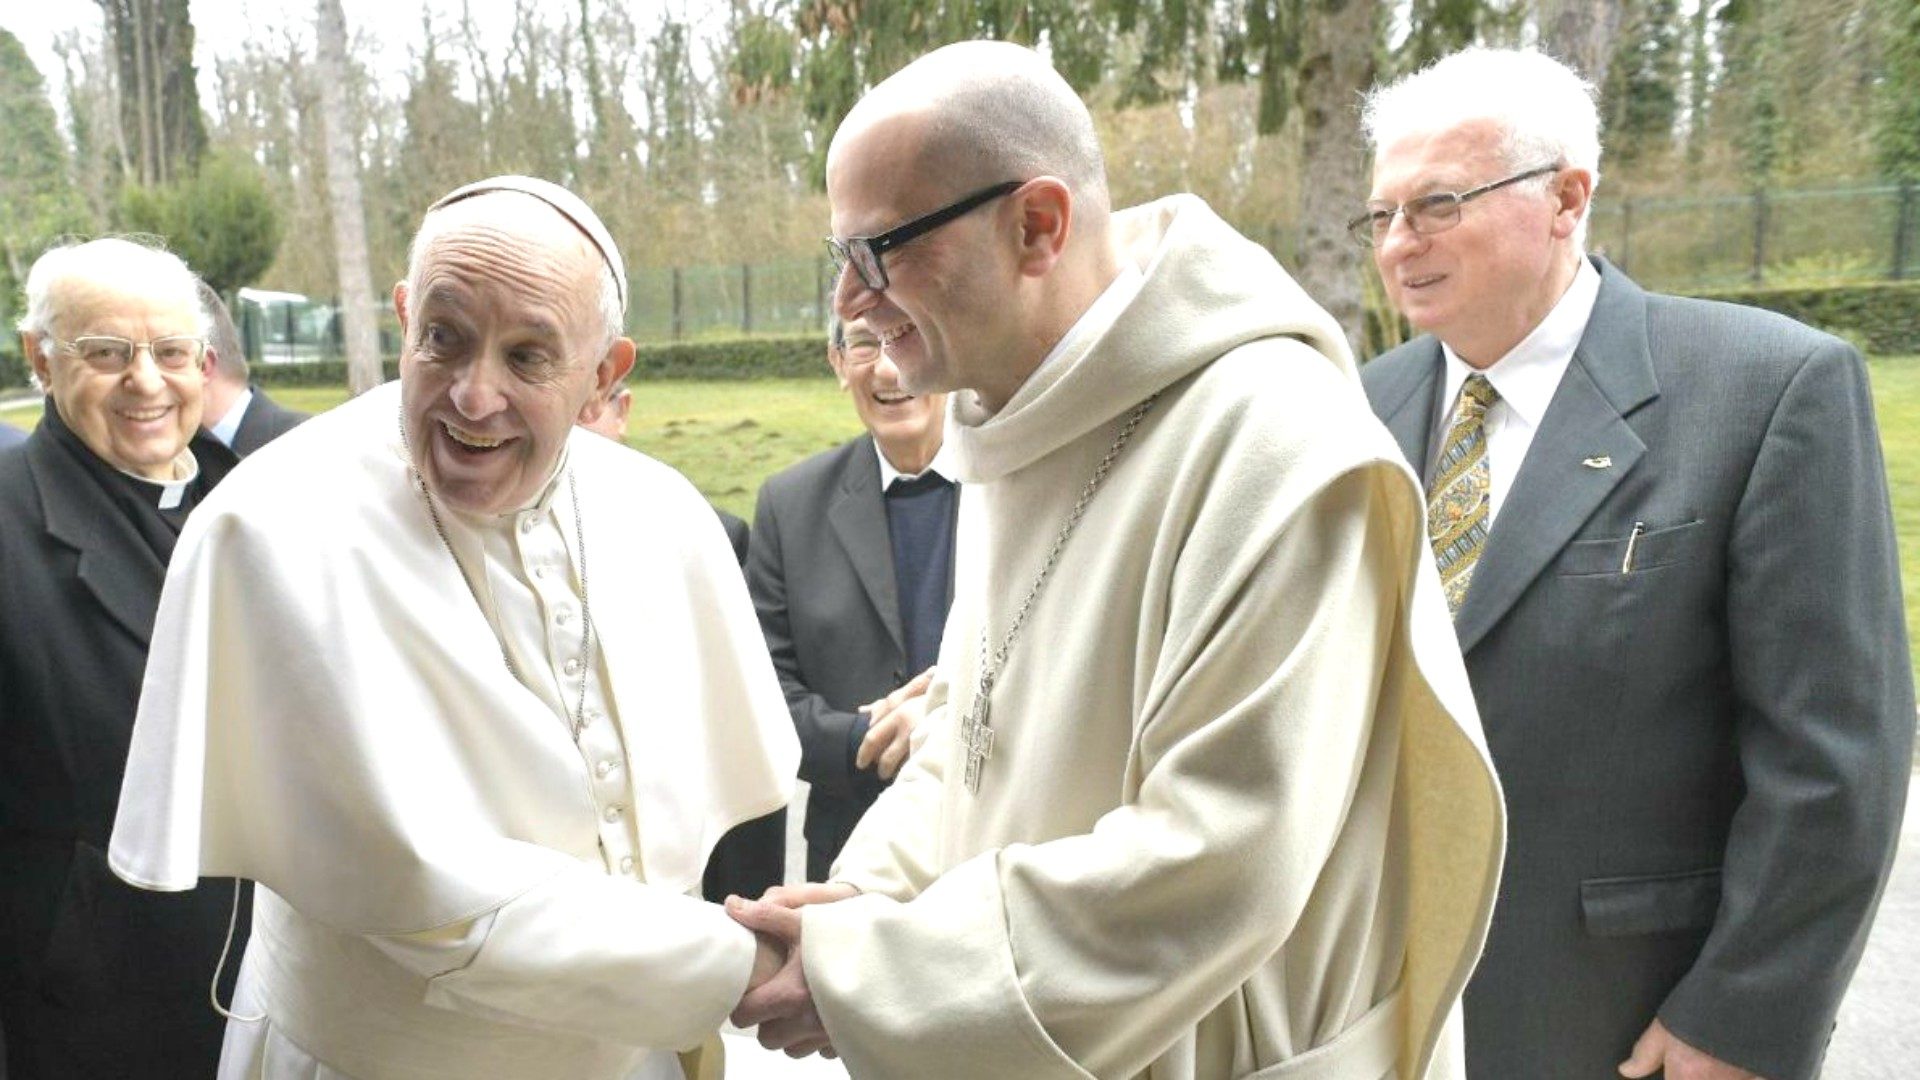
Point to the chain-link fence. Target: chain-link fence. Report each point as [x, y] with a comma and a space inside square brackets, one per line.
[1669, 243]
[1763, 238]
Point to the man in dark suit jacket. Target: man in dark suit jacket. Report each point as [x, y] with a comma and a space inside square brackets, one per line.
[851, 570]
[1680, 610]
[97, 979]
[238, 413]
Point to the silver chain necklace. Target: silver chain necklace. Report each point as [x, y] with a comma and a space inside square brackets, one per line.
[586, 612]
[976, 732]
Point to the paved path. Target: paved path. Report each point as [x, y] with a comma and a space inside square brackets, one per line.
[1878, 1037]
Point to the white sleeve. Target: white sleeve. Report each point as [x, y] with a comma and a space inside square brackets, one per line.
[601, 956]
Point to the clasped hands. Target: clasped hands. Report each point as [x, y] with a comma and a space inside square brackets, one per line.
[778, 1000]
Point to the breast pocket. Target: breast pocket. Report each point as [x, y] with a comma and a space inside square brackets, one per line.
[1655, 548]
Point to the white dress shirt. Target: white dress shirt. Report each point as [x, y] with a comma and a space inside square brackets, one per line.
[1526, 379]
[229, 424]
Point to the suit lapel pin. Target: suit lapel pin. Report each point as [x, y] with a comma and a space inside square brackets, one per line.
[1602, 461]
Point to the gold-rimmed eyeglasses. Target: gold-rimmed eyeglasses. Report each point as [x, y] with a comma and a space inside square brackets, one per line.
[860, 352]
[110, 355]
[1428, 214]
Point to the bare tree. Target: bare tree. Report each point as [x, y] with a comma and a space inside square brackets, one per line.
[357, 306]
[1336, 67]
[1581, 32]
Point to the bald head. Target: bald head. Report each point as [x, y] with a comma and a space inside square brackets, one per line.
[981, 112]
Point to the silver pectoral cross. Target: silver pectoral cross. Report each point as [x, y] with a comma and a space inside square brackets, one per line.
[977, 737]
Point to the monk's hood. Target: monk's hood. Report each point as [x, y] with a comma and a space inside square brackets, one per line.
[1206, 291]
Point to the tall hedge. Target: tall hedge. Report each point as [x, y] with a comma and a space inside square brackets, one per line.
[1884, 317]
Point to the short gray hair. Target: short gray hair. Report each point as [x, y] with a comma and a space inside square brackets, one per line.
[230, 356]
[124, 264]
[613, 315]
[1544, 108]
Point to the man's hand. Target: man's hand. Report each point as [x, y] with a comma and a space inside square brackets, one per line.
[1659, 1048]
[890, 724]
[769, 956]
[811, 892]
[782, 1007]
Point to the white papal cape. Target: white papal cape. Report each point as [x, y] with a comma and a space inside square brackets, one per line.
[327, 712]
[1238, 819]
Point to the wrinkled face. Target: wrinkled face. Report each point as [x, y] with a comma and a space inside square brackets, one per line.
[1479, 286]
[870, 376]
[944, 314]
[137, 420]
[502, 356]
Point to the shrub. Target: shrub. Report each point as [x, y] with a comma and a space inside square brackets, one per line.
[1884, 316]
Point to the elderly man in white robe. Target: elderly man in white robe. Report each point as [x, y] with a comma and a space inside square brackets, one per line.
[1201, 791]
[471, 696]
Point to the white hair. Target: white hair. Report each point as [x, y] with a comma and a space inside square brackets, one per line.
[613, 314]
[1544, 109]
[112, 262]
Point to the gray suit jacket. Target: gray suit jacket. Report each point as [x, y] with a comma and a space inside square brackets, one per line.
[820, 568]
[1705, 759]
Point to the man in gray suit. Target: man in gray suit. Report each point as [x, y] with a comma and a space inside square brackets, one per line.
[1663, 525]
[851, 570]
[238, 413]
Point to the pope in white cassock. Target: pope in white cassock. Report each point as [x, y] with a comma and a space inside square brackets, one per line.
[1200, 791]
[470, 695]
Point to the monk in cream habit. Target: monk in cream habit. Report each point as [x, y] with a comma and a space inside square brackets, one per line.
[1200, 791]
[470, 695]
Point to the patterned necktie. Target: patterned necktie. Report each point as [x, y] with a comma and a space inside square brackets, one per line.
[1460, 499]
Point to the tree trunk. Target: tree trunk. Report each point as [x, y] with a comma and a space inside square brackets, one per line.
[1336, 67]
[358, 312]
[1580, 33]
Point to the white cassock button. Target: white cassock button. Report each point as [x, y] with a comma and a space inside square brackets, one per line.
[573, 665]
[626, 864]
[526, 524]
[613, 813]
[605, 768]
[539, 572]
[563, 616]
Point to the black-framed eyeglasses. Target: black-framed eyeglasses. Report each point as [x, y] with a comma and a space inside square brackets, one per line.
[111, 355]
[1427, 214]
[863, 252]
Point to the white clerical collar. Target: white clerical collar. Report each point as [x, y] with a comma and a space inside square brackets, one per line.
[229, 425]
[941, 465]
[1529, 374]
[1100, 315]
[169, 493]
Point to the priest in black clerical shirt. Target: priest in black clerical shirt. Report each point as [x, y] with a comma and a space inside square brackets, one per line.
[98, 978]
[850, 564]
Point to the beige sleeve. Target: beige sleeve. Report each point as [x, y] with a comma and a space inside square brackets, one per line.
[892, 852]
[589, 954]
[1092, 953]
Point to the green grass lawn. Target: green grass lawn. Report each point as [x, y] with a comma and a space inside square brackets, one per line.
[727, 437]
[1896, 397]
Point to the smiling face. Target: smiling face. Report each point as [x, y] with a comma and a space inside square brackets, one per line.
[504, 350]
[907, 426]
[137, 420]
[948, 318]
[1484, 284]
